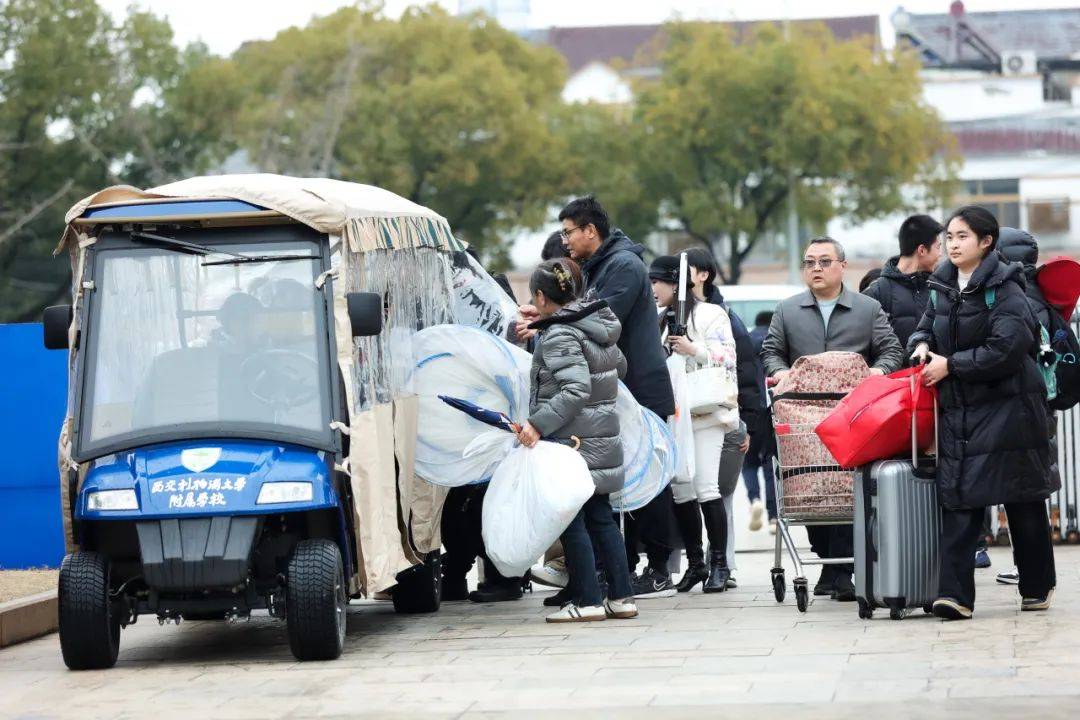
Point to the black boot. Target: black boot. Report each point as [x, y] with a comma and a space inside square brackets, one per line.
[454, 587]
[509, 589]
[716, 526]
[688, 518]
[719, 573]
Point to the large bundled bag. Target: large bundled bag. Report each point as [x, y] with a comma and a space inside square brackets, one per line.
[872, 422]
[649, 457]
[534, 494]
[472, 365]
[812, 484]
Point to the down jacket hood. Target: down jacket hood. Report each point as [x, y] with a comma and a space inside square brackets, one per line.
[1018, 246]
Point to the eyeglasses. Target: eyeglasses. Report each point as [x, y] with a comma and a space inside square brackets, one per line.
[565, 234]
[823, 263]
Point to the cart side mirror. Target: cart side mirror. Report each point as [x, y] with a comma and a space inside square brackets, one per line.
[365, 313]
[56, 321]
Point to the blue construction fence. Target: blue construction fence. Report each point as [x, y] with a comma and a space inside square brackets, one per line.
[31, 411]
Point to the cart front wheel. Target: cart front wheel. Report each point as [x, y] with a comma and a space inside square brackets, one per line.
[779, 586]
[89, 622]
[316, 605]
[802, 595]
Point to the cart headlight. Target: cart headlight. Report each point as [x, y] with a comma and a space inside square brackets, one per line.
[112, 500]
[284, 492]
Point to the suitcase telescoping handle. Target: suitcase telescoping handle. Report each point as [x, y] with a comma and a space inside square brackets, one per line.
[916, 393]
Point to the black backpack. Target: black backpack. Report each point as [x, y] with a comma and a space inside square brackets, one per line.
[1064, 343]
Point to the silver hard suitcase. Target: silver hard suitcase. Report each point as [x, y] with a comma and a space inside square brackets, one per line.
[897, 535]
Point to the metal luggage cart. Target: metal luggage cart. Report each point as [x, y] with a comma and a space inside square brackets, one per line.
[815, 493]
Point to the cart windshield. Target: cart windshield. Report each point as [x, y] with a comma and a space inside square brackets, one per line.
[179, 347]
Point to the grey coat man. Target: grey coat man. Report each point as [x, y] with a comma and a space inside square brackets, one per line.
[575, 378]
[858, 324]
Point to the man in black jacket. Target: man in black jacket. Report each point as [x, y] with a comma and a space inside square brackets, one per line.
[613, 270]
[902, 289]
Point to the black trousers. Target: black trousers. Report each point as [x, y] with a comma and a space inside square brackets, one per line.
[461, 536]
[652, 527]
[835, 541]
[1033, 552]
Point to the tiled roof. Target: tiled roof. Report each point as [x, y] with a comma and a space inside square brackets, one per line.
[1052, 34]
[607, 43]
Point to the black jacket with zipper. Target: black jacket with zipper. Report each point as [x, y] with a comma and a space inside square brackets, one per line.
[994, 433]
[903, 297]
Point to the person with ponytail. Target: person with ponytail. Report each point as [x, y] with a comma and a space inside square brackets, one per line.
[574, 381]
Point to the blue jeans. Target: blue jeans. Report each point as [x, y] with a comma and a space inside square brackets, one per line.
[594, 528]
[759, 458]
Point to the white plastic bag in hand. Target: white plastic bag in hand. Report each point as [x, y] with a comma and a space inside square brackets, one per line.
[534, 494]
[681, 423]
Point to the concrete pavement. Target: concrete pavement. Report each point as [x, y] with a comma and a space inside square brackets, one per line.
[684, 656]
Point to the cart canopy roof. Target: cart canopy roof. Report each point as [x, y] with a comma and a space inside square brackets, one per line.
[329, 206]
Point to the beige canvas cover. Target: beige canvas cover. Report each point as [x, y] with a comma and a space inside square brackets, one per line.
[391, 535]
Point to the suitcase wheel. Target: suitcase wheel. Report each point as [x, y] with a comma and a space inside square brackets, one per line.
[865, 611]
[896, 614]
[928, 608]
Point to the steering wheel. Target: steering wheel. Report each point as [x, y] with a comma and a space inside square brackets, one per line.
[283, 379]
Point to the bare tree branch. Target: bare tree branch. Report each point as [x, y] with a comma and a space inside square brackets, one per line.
[29, 216]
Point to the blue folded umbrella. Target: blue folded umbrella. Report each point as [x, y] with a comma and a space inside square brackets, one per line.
[493, 418]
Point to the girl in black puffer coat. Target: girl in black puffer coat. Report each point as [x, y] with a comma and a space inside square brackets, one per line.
[980, 339]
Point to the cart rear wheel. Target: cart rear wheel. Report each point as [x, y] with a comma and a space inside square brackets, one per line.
[779, 586]
[419, 589]
[316, 606]
[89, 622]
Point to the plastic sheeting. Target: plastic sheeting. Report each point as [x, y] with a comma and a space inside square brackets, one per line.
[473, 365]
[652, 468]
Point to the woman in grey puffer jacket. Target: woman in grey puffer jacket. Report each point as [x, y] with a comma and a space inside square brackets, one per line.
[575, 379]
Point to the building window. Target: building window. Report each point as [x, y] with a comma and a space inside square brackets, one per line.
[1048, 217]
[1001, 196]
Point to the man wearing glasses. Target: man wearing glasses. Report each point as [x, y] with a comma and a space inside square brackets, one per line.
[828, 316]
[613, 270]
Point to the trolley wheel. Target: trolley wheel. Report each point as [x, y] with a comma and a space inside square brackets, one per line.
[928, 608]
[802, 598]
[1072, 537]
[865, 611]
[779, 586]
[896, 613]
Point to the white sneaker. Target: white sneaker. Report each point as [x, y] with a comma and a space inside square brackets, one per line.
[621, 609]
[756, 511]
[572, 613]
[1009, 577]
[552, 574]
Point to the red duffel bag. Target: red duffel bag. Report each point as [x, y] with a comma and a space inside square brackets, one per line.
[874, 421]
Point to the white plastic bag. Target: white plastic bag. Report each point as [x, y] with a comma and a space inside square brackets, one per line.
[681, 423]
[534, 494]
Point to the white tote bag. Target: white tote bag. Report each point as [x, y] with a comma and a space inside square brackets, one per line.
[712, 388]
[681, 423]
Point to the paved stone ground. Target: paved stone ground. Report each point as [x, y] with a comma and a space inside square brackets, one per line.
[691, 655]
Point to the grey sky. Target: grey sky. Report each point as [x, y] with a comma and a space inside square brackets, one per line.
[225, 24]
